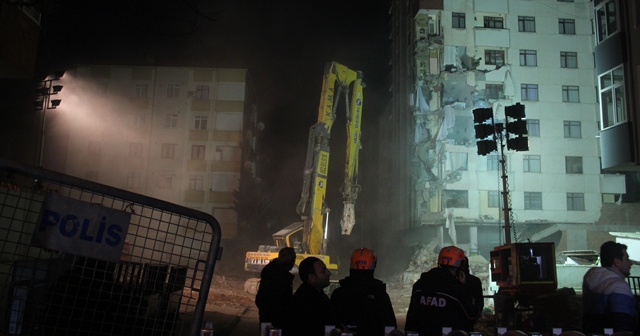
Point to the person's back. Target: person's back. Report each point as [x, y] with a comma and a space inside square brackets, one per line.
[607, 298]
[361, 300]
[475, 286]
[439, 298]
[311, 310]
[275, 292]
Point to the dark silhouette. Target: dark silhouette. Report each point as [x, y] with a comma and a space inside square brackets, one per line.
[362, 303]
[475, 285]
[276, 288]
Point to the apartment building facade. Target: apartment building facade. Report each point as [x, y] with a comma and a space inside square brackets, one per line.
[171, 133]
[451, 57]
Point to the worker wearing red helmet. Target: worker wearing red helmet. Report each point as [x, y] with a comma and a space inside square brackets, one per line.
[440, 298]
[361, 302]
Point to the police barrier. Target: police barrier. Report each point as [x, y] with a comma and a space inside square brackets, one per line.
[82, 258]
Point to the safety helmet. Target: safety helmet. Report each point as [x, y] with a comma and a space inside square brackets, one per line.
[451, 256]
[363, 259]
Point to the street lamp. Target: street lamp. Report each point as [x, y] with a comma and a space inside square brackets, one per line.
[44, 103]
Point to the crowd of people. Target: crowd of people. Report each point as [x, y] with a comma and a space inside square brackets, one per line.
[446, 296]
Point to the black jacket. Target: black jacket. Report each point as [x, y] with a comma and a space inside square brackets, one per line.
[440, 300]
[311, 310]
[274, 294]
[363, 302]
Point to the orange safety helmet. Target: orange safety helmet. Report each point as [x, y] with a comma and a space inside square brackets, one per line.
[363, 259]
[451, 256]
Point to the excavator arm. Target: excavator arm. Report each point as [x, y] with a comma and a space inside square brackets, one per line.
[338, 80]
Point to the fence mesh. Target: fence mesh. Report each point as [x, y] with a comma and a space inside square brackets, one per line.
[157, 285]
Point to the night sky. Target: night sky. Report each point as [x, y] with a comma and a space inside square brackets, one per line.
[284, 44]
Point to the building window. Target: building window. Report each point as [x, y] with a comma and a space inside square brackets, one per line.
[572, 129]
[606, 19]
[611, 86]
[529, 92]
[168, 151]
[573, 164]
[173, 90]
[95, 148]
[575, 201]
[200, 122]
[493, 199]
[528, 57]
[527, 24]
[531, 163]
[532, 200]
[455, 198]
[196, 183]
[493, 91]
[493, 22]
[225, 182]
[570, 94]
[533, 127]
[142, 90]
[202, 92]
[568, 59]
[170, 120]
[133, 180]
[165, 181]
[197, 152]
[458, 20]
[135, 149]
[494, 57]
[567, 26]
[493, 162]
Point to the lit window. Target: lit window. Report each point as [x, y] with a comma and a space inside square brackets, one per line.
[196, 183]
[493, 199]
[168, 151]
[526, 24]
[197, 152]
[531, 163]
[202, 92]
[528, 58]
[455, 198]
[570, 94]
[529, 92]
[173, 90]
[170, 120]
[200, 122]
[533, 127]
[458, 20]
[532, 200]
[611, 86]
[135, 149]
[572, 129]
[568, 59]
[575, 201]
[493, 22]
[567, 26]
[494, 57]
[606, 19]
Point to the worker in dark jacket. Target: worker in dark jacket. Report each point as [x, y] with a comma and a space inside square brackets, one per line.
[311, 310]
[440, 298]
[362, 303]
[475, 285]
[276, 288]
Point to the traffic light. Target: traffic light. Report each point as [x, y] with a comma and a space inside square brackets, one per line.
[485, 132]
[516, 129]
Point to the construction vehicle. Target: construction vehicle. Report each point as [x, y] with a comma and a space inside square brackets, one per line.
[309, 237]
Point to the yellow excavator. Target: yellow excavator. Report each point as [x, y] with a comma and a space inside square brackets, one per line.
[309, 237]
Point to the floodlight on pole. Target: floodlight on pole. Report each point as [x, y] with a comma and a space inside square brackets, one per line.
[517, 128]
[485, 130]
[44, 102]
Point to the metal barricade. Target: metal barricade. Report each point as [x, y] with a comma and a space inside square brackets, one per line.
[156, 283]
